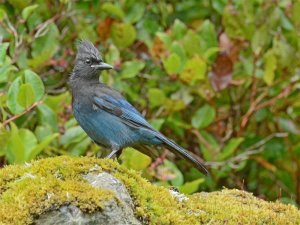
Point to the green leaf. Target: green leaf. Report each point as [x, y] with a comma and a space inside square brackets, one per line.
[194, 70]
[19, 4]
[15, 148]
[295, 13]
[12, 94]
[132, 68]
[241, 24]
[191, 44]
[156, 97]
[55, 102]
[3, 49]
[270, 67]
[26, 96]
[41, 146]
[4, 136]
[288, 126]
[219, 5]
[208, 35]
[177, 49]
[73, 135]
[135, 12]
[172, 64]
[191, 187]
[178, 29]
[210, 53]
[134, 159]
[28, 10]
[174, 105]
[113, 54]
[285, 22]
[47, 117]
[178, 180]
[2, 14]
[86, 32]
[79, 148]
[42, 132]
[45, 46]
[113, 10]
[203, 117]
[123, 34]
[165, 38]
[5, 72]
[260, 39]
[36, 82]
[285, 53]
[157, 123]
[209, 153]
[29, 141]
[230, 148]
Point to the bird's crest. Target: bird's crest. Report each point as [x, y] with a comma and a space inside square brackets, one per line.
[86, 48]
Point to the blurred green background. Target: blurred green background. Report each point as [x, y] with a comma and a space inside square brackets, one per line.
[220, 77]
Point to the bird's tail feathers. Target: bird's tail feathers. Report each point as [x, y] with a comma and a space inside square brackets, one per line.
[181, 152]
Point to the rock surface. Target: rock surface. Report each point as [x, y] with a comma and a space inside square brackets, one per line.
[65, 190]
[113, 213]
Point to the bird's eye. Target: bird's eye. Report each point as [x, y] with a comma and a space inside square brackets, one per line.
[88, 61]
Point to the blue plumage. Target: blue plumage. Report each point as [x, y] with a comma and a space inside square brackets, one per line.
[106, 116]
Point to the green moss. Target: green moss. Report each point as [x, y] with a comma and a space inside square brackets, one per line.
[240, 207]
[29, 190]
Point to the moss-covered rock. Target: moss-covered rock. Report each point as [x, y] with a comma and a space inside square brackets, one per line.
[31, 190]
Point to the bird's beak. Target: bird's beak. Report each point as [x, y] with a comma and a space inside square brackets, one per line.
[102, 66]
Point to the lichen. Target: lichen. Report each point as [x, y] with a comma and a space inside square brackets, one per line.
[27, 191]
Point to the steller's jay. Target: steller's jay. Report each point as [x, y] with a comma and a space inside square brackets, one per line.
[107, 117]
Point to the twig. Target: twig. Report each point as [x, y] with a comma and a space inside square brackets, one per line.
[284, 93]
[21, 114]
[255, 106]
[15, 33]
[202, 139]
[41, 28]
[159, 160]
[253, 88]
[252, 150]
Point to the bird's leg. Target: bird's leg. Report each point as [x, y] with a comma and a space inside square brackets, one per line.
[110, 155]
[115, 151]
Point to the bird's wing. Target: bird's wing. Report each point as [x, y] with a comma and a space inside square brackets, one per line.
[122, 109]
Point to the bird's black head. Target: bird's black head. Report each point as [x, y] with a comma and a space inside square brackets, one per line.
[88, 62]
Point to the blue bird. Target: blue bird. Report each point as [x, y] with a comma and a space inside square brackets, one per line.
[106, 116]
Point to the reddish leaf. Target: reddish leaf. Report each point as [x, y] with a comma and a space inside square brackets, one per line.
[221, 74]
[103, 28]
[142, 50]
[158, 48]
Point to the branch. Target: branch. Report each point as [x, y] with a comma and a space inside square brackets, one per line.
[252, 150]
[254, 81]
[254, 106]
[6, 122]
[202, 139]
[41, 28]
[159, 160]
